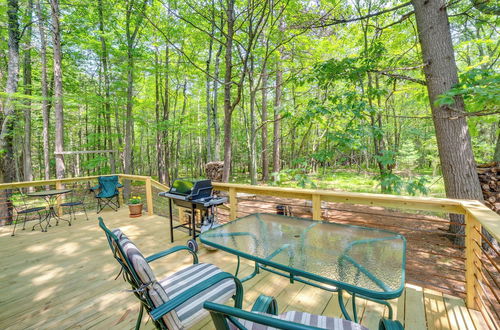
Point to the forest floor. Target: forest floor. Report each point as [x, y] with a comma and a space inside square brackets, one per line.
[355, 181]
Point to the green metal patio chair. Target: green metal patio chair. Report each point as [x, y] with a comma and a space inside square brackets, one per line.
[264, 316]
[74, 201]
[24, 210]
[175, 302]
[107, 193]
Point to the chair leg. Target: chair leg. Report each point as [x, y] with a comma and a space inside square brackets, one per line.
[24, 222]
[139, 318]
[85, 210]
[15, 224]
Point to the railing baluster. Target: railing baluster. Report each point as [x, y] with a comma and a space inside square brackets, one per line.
[472, 262]
[149, 196]
[233, 204]
[316, 207]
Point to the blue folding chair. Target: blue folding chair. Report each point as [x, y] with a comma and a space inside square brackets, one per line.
[264, 315]
[107, 193]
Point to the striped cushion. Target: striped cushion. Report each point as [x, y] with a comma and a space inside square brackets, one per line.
[192, 311]
[317, 321]
[136, 259]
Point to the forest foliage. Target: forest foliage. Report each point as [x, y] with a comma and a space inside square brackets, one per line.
[305, 86]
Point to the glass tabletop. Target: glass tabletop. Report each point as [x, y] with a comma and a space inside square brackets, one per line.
[359, 259]
[49, 192]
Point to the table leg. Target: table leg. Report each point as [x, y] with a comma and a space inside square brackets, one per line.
[171, 221]
[193, 222]
[52, 213]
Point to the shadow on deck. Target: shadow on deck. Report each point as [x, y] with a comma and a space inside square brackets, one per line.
[65, 279]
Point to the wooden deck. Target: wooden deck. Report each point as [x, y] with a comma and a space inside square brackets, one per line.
[65, 279]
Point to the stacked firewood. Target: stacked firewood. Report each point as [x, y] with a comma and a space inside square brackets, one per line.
[214, 171]
[489, 177]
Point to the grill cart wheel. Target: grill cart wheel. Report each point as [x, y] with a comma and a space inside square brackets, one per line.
[192, 245]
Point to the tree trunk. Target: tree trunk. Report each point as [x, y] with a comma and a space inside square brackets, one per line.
[45, 92]
[452, 134]
[27, 164]
[277, 120]
[131, 35]
[7, 170]
[166, 115]
[58, 90]
[208, 96]
[265, 153]
[107, 102]
[228, 108]
[496, 156]
[253, 133]
[215, 107]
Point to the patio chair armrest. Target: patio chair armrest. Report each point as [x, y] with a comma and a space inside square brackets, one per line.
[94, 188]
[172, 250]
[265, 304]
[386, 324]
[119, 185]
[172, 304]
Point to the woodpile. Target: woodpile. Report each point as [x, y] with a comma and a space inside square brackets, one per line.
[214, 170]
[489, 178]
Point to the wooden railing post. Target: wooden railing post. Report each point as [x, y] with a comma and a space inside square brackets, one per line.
[120, 191]
[316, 207]
[472, 262]
[233, 204]
[59, 210]
[149, 196]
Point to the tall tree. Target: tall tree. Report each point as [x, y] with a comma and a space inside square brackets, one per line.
[27, 164]
[265, 152]
[7, 170]
[107, 94]
[58, 90]
[452, 133]
[228, 84]
[45, 90]
[277, 104]
[133, 21]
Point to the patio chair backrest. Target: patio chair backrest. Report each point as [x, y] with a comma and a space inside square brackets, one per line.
[108, 186]
[138, 273]
[24, 204]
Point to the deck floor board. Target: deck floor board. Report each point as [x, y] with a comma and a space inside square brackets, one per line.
[65, 279]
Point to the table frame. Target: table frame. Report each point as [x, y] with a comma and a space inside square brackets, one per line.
[313, 279]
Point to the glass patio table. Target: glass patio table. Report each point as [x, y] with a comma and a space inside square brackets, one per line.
[365, 262]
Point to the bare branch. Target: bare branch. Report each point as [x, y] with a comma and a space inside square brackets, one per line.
[399, 76]
[354, 19]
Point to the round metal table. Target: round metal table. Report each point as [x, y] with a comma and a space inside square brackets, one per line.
[50, 197]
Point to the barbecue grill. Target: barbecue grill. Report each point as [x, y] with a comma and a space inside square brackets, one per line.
[194, 195]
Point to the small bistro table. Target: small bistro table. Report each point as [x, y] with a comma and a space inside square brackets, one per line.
[365, 262]
[50, 197]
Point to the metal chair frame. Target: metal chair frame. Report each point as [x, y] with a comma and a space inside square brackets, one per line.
[140, 289]
[226, 317]
[25, 211]
[72, 203]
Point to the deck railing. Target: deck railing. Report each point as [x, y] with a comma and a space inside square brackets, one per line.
[481, 258]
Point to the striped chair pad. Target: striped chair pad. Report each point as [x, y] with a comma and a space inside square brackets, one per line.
[139, 263]
[192, 311]
[317, 321]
